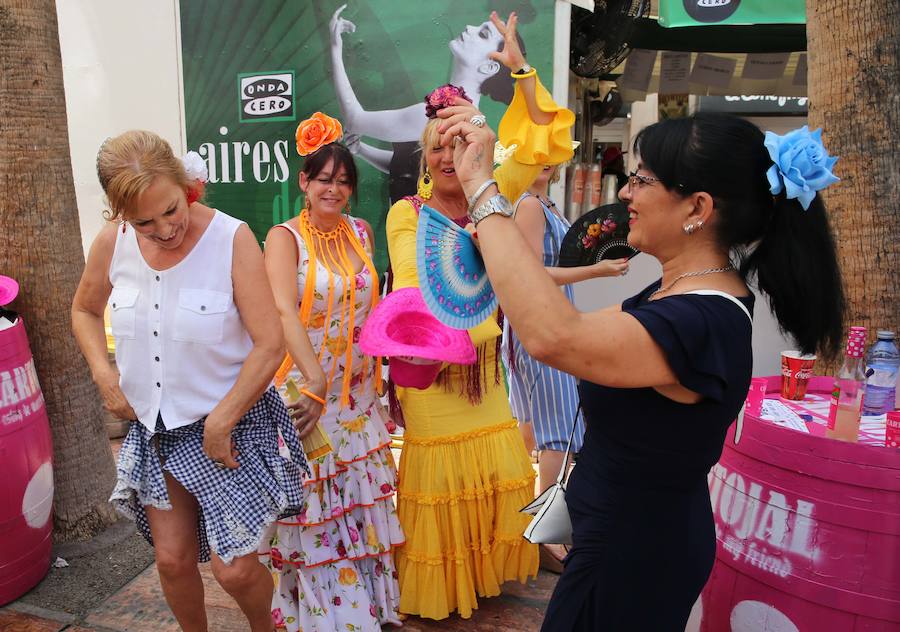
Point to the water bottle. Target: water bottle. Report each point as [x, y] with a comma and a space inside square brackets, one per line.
[883, 360]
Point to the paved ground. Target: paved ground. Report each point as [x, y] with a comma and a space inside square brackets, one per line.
[111, 585]
[139, 606]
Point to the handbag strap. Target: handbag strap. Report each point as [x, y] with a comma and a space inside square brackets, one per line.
[563, 471]
[725, 295]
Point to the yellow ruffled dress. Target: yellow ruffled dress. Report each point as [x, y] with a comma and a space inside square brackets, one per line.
[464, 470]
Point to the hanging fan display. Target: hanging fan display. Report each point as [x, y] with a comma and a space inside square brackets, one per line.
[451, 272]
[603, 111]
[597, 235]
[600, 40]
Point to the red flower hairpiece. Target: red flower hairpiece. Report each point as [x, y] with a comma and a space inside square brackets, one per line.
[442, 97]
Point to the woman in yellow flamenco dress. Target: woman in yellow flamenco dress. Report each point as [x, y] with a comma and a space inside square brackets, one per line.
[464, 470]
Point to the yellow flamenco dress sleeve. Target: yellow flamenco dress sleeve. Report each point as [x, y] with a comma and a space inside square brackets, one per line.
[536, 145]
[402, 221]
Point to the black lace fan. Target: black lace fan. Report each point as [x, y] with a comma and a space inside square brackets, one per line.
[598, 234]
[600, 39]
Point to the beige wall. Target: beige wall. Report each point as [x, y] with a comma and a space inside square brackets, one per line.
[122, 70]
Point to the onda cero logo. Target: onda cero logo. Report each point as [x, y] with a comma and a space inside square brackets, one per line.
[267, 96]
[711, 10]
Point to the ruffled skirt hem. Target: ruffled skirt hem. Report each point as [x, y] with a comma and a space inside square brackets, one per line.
[459, 501]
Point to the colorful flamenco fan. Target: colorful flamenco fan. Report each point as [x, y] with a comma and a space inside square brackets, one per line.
[452, 277]
[598, 234]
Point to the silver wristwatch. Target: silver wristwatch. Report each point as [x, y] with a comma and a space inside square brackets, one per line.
[495, 204]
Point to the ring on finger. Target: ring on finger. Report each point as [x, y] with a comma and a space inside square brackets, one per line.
[220, 464]
[478, 120]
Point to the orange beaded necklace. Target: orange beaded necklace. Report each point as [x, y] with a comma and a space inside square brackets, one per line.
[331, 246]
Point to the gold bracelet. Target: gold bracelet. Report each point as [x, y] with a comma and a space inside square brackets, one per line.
[524, 75]
[312, 396]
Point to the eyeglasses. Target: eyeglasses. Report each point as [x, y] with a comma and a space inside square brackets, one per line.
[638, 179]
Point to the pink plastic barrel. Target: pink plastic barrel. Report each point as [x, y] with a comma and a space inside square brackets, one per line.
[807, 530]
[26, 453]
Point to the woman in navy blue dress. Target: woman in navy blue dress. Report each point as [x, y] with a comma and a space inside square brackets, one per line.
[665, 373]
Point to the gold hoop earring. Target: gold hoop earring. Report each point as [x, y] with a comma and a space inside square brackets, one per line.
[347, 208]
[425, 185]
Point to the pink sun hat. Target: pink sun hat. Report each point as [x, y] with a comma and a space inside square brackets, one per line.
[9, 289]
[403, 329]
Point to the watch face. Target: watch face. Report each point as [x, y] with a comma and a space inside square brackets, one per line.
[597, 235]
[497, 204]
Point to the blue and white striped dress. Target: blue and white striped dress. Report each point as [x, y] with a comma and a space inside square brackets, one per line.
[544, 396]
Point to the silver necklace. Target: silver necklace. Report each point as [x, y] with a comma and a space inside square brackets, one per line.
[727, 268]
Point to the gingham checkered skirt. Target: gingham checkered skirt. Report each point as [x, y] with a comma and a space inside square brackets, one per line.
[235, 506]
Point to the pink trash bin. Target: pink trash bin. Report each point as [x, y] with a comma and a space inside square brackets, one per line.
[26, 462]
[807, 532]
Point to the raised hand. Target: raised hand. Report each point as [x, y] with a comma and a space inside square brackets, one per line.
[473, 145]
[338, 26]
[511, 56]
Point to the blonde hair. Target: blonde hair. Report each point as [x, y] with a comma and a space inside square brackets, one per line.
[557, 172]
[429, 139]
[128, 164]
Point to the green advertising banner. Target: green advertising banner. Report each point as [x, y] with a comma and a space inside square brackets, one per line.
[253, 70]
[673, 13]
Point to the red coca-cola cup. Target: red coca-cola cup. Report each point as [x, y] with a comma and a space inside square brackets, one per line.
[796, 369]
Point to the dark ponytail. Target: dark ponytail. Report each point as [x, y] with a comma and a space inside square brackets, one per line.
[788, 251]
[796, 266]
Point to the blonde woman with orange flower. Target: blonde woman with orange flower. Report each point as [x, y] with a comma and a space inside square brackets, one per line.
[333, 562]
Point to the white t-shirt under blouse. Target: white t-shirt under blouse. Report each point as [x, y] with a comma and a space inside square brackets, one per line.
[180, 341]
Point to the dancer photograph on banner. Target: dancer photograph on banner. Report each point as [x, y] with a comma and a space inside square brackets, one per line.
[333, 562]
[472, 68]
[197, 341]
[464, 462]
[664, 374]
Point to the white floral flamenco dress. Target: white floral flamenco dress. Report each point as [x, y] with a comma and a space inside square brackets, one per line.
[333, 563]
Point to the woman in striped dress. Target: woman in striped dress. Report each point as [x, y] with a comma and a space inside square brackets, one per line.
[543, 399]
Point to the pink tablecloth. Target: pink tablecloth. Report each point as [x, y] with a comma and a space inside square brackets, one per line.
[816, 405]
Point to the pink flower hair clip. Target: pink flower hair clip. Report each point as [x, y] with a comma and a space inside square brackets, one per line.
[443, 97]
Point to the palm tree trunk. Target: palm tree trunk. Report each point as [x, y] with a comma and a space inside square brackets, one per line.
[40, 246]
[854, 94]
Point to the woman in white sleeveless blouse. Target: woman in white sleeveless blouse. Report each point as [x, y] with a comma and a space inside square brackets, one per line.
[197, 342]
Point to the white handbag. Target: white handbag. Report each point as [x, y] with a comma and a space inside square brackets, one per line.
[551, 523]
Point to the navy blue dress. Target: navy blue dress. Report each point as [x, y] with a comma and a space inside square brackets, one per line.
[643, 535]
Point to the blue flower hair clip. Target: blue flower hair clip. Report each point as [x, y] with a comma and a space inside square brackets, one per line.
[802, 165]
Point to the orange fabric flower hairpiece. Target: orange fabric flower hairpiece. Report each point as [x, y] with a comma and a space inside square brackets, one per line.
[316, 132]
